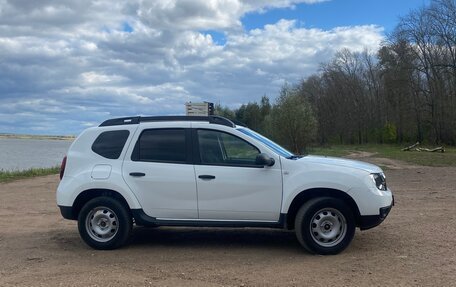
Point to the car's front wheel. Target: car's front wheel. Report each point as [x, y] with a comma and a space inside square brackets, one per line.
[325, 225]
[104, 223]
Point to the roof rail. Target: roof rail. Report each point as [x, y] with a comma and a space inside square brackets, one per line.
[120, 121]
[238, 123]
[218, 120]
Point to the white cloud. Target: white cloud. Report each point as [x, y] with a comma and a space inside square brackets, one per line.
[91, 78]
[75, 62]
[205, 14]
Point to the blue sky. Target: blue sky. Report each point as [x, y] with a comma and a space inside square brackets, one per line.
[336, 13]
[67, 65]
[332, 14]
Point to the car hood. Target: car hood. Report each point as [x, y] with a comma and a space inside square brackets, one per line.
[335, 161]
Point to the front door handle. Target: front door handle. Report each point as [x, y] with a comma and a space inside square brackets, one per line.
[137, 174]
[207, 177]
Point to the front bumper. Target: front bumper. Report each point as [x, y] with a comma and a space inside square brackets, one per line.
[370, 221]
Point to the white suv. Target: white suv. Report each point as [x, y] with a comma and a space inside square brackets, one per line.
[208, 171]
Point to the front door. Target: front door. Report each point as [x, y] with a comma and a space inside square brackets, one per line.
[231, 186]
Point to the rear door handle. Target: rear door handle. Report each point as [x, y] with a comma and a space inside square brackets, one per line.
[207, 177]
[137, 174]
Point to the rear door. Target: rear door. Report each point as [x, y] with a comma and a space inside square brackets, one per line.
[158, 169]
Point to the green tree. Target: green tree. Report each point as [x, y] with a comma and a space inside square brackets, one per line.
[293, 121]
[224, 112]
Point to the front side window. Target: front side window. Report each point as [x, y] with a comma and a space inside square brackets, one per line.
[221, 148]
[161, 145]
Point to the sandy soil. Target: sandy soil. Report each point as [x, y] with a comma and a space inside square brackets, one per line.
[415, 246]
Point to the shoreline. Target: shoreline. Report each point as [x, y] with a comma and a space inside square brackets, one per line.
[36, 137]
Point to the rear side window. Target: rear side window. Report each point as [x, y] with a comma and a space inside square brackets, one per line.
[161, 145]
[110, 144]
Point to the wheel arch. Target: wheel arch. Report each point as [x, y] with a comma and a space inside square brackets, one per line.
[308, 194]
[90, 194]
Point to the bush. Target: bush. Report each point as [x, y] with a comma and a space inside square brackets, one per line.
[389, 133]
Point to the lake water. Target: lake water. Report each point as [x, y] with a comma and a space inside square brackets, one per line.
[19, 154]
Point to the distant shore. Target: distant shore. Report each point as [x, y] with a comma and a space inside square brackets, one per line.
[36, 137]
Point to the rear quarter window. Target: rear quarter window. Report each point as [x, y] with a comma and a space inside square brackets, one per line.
[110, 144]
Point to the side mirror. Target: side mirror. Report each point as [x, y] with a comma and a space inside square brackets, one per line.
[264, 159]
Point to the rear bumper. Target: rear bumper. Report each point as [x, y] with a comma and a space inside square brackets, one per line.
[67, 212]
[370, 221]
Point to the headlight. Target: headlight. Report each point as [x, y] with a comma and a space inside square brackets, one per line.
[379, 180]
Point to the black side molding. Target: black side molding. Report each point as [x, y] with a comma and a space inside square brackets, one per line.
[142, 219]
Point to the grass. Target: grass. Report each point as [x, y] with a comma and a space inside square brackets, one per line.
[448, 158]
[7, 176]
[337, 150]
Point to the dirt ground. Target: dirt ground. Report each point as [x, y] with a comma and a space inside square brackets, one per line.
[415, 246]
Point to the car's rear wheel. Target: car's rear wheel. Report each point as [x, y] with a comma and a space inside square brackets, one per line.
[325, 225]
[104, 223]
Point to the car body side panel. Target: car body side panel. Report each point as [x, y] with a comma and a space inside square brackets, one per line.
[81, 161]
[68, 190]
[300, 176]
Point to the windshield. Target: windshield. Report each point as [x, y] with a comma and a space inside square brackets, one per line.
[269, 143]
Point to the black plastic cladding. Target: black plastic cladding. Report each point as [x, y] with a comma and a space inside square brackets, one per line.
[136, 120]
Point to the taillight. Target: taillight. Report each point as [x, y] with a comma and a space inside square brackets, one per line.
[62, 167]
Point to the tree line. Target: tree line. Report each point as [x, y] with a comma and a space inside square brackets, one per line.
[404, 92]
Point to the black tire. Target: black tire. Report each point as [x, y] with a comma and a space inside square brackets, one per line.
[325, 225]
[104, 223]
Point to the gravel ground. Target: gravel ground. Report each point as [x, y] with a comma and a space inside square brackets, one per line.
[415, 246]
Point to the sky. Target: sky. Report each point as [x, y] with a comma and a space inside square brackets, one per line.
[68, 65]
